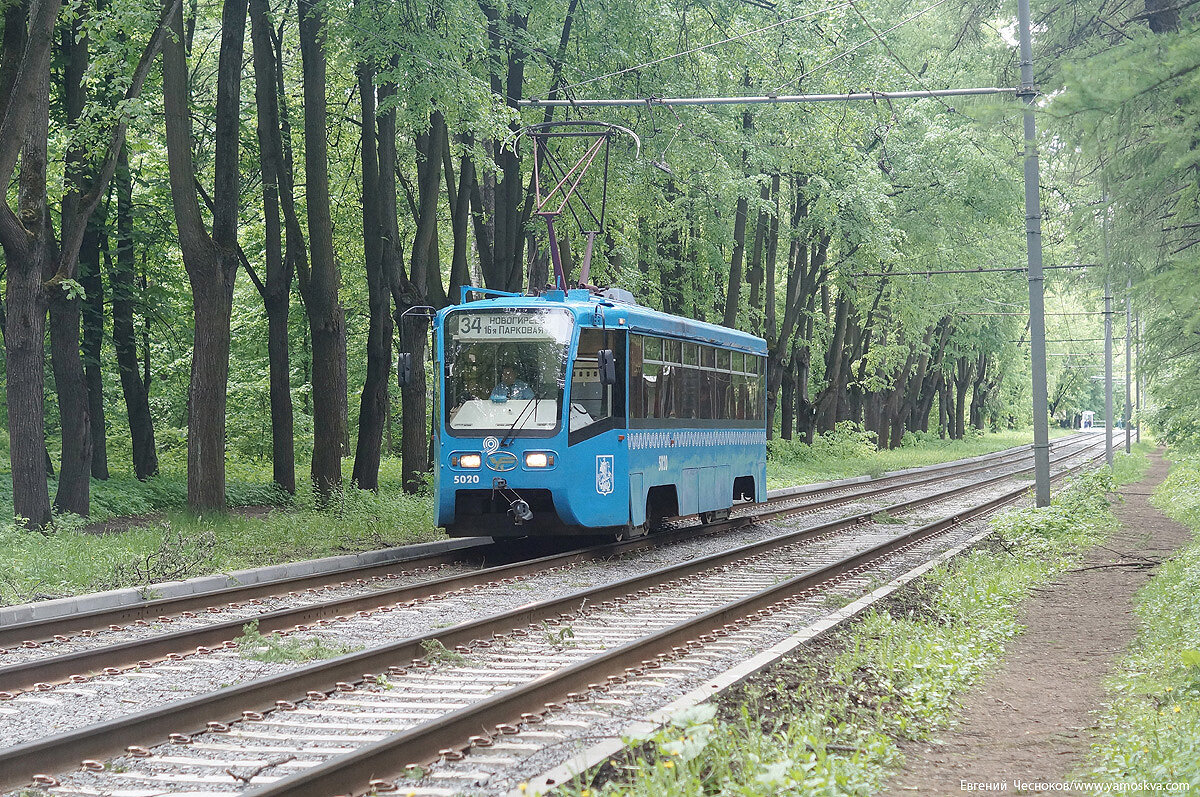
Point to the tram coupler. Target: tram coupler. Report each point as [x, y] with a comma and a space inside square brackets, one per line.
[518, 508]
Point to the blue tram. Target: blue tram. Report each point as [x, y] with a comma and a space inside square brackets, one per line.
[580, 412]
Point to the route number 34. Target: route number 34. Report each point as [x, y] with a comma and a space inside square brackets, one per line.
[466, 478]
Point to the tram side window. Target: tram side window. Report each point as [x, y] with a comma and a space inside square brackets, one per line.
[637, 386]
[591, 401]
[668, 404]
[760, 385]
[652, 380]
[689, 387]
[671, 379]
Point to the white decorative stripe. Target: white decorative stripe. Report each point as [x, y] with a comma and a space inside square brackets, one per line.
[692, 438]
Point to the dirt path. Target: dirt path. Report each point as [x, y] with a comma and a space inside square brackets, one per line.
[1028, 721]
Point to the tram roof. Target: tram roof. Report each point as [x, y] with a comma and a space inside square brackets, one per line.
[584, 303]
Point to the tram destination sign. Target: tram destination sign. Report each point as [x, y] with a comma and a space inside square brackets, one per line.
[506, 325]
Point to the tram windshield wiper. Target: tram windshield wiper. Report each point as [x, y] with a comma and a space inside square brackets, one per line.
[511, 432]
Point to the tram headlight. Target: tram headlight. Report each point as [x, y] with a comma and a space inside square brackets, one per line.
[470, 461]
[538, 459]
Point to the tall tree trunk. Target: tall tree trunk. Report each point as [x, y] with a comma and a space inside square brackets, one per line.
[320, 282]
[74, 486]
[276, 292]
[508, 211]
[93, 339]
[414, 419]
[121, 276]
[211, 262]
[787, 421]
[981, 387]
[1163, 15]
[70, 382]
[805, 411]
[827, 405]
[373, 407]
[28, 252]
[733, 292]
[414, 442]
[962, 381]
[756, 274]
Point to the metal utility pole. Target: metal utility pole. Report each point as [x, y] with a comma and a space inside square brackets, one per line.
[1033, 241]
[1126, 415]
[1108, 404]
[1137, 324]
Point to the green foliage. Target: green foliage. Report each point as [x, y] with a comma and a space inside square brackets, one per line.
[277, 648]
[1067, 524]
[1132, 467]
[1150, 729]
[827, 724]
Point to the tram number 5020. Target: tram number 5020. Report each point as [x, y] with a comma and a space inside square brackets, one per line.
[466, 478]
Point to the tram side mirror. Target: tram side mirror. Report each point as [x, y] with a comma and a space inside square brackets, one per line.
[606, 363]
[404, 369]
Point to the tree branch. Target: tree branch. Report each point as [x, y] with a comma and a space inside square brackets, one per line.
[74, 228]
[241, 253]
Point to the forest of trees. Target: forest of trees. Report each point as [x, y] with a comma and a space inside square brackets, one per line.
[218, 213]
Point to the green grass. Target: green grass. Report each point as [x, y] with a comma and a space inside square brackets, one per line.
[826, 722]
[178, 544]
[1150, 729]
[1132, 467]
[125, 496]
[846, 452]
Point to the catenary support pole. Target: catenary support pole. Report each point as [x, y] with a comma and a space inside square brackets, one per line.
[1137, 325]
[1127, 414]
[1108, 397]
[1033, 240]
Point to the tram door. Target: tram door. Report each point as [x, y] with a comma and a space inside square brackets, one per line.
[596, 416]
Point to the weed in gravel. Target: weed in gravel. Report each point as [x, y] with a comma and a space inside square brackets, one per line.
[561, 637]
[273, 648]
[437, 653]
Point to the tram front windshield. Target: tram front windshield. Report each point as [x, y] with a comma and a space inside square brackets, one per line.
[506, 370]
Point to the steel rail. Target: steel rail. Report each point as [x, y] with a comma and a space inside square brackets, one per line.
[41, 630]
[65, 750]
[427, 741]
[44, 630]
[36, 673]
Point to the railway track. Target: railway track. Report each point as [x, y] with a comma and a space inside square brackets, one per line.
[38, 663]
[402, 712]
[35, 634]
